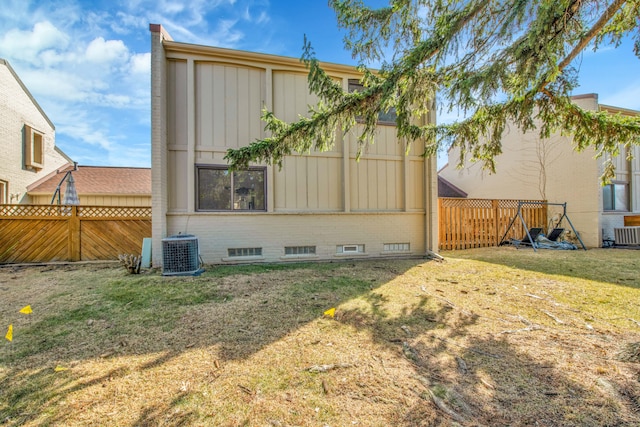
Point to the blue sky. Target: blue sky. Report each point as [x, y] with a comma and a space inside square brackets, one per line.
[87, 62]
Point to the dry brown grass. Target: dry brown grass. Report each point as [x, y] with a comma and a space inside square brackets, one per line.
[488, 337]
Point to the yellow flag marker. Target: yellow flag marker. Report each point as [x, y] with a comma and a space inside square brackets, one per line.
[26, 310]
[60, 368]
[9, 335]
[331, 312]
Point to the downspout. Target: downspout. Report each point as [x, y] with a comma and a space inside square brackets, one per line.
[159, 199]
[431, 199]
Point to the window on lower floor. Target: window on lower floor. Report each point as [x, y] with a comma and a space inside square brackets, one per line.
[615, 197]
[221, 190]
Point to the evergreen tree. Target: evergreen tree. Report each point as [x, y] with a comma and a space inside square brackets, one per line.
[499, 61]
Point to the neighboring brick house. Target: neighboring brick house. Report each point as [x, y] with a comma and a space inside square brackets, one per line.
[320, 205]
[98, 186]
[27, 139]
[550, 169]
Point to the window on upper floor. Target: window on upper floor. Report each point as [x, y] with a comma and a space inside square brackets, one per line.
[615, 196]
[384, 118]
[33, 148]
[221, 190]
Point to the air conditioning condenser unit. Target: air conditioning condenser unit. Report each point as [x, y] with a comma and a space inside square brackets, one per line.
[180, 255]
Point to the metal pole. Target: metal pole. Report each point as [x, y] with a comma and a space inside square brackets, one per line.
[564, 214]
[57, 192]
[524, 225]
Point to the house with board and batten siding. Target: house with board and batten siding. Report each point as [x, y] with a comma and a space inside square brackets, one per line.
[318, 206]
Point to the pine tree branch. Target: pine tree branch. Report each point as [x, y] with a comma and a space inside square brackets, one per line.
[592, 33]
[314, 132]
[532, 70]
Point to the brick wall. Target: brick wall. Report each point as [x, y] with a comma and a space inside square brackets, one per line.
[217, 232]
[17, 109]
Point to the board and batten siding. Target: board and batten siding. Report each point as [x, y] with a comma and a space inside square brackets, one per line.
[213, 100]
[313, 181]
[229, 100]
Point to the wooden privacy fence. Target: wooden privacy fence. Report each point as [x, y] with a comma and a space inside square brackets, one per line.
[477, 223]
[42, 233]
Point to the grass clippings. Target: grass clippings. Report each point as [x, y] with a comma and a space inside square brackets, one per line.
[488, 337]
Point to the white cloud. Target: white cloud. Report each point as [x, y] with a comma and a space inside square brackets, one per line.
[127, 23]
[227, 33]
[172, 7]
[82, 129]
[58, 85]
[101, 51]
[88, 65]
[51, 58]
[261, 18]
[141, 63]
[117, 101]
[27, 44]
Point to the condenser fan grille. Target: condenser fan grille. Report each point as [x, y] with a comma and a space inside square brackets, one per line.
[180, 255]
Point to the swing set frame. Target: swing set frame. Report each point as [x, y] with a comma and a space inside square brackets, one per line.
[526, 227]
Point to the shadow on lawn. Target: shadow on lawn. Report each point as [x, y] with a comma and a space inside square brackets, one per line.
[615, 266]
[240, 312]
[486, 381]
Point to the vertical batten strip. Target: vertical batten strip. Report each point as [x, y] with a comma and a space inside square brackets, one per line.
[268, 104]
[346, 172]
[191, 135]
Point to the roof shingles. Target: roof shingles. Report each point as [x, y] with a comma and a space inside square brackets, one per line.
[100, 180]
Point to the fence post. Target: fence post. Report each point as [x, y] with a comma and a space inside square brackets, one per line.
[496, 220]
[74, 235]
[441, 232]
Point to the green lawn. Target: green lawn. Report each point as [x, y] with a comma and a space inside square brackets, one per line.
[488, 337]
